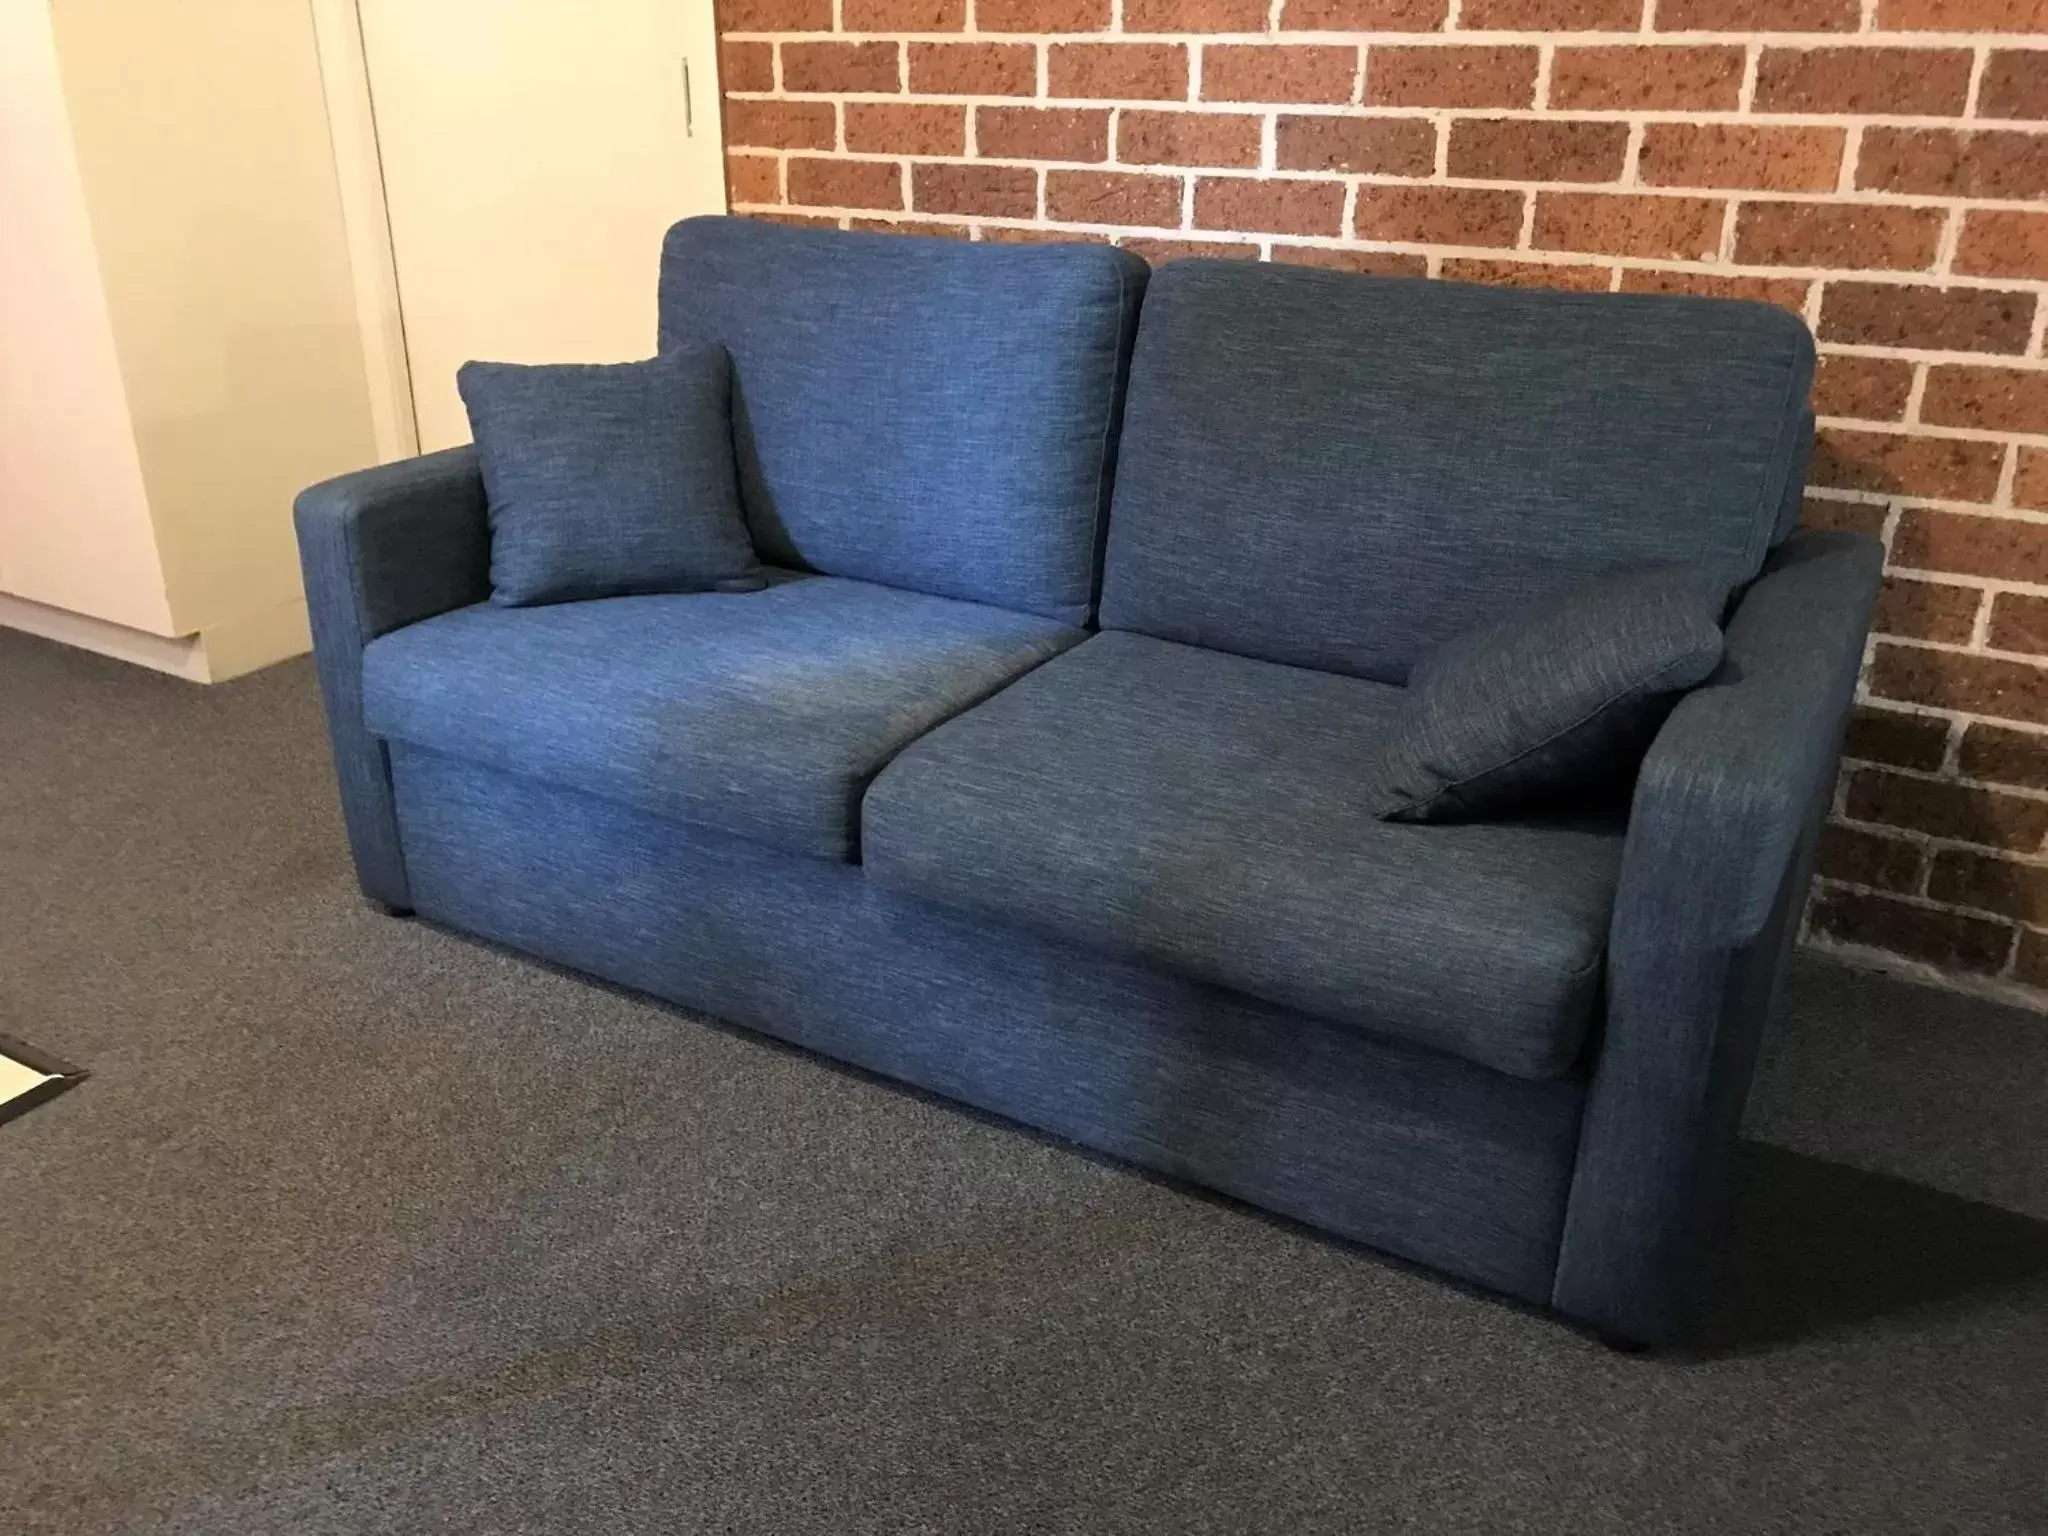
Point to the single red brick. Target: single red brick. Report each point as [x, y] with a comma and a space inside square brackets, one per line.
[1989, 399]
[1879, 236]
[974, 69]
[1895, 463]
[902, 15]
[1364, 15]
[1454, 75]
[1351, 259]
[1868, 858]
[753, 178]
[1228, 139]
[2000, 755]
[1118, 71]
[1551, 15]
[1759, 15]
[905, 128]
[1284, 72]
[1433, 215]
[1872, 388]
[1653, 78]
[1942, 162]
[1025, 234]
[1113, 197]
[840, 67]
[1967, 683]
[1949, 940]
[2015, 84]
[1988, 883]
[797, 220]
[781, 124]
[1922, 315]
[1941, 808]
[990, 191]
[928, 227]
[1903, 82]
[2030, 485]
[1527, 274]
[747, 66]
[1785, 292]
[1971, 545]
[1384, 146]
[1741, 155]
[1684, 228]
[1927, 610]
[1160, 252]
[1270, 205]
[2000, 243]
[775, 15]
[1895, 737]
[828, 183]
[1041, 15]
[1042, 133]
[1554, 149]
[2019, 623]
[1962, 15]
[1835, 516]
[1194, 16]
[2030, 963]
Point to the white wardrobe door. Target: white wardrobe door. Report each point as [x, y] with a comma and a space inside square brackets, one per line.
[533, 152]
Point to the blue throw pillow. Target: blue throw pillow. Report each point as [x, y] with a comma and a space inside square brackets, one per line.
[1559, 698]
[609, 478]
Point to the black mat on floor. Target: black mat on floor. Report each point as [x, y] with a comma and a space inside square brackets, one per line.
[361, 1227]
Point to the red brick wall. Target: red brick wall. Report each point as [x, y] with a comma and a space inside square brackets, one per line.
[1878, 166]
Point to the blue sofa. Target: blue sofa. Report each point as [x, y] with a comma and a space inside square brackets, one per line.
[1043, 798]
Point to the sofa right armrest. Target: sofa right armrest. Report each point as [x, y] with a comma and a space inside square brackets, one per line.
[380, 549]
[1713, 878]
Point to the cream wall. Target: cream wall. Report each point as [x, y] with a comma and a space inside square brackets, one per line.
[75, 527]
[179, 157]
[202, 136]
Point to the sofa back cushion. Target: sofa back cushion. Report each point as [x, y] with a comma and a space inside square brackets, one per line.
[1341, 472]
[923, 413]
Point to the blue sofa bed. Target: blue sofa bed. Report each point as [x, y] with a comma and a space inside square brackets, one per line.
[1030, 778]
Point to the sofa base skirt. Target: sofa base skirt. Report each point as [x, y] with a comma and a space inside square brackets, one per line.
[1425, 1156]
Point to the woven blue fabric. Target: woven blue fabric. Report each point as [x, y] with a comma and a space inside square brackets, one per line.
[1421, 1154]
[1129, 888]
[1201, 812]
[380, 549]
[1727, 806]
[1550, 702]
[764, 714]
[928, 414]
[609, 478]
[1342, 472]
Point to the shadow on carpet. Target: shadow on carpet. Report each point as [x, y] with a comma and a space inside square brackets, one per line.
[1809, 1247]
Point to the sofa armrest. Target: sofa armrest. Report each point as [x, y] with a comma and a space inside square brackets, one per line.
[1713, 877]
[380, 549]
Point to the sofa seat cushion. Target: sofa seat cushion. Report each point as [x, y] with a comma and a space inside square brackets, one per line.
[1205, 813]
[763, 714]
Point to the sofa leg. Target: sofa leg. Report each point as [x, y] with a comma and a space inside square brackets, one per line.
[388, 909]
[1621, 1345]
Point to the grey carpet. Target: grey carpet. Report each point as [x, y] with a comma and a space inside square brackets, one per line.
[363, 1227]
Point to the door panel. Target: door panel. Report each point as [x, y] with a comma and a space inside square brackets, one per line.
[533, 152]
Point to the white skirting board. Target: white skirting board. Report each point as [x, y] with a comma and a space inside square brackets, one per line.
[213, 655]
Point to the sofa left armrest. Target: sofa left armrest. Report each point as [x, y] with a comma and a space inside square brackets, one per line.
[381, 549]
[1713, 877]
